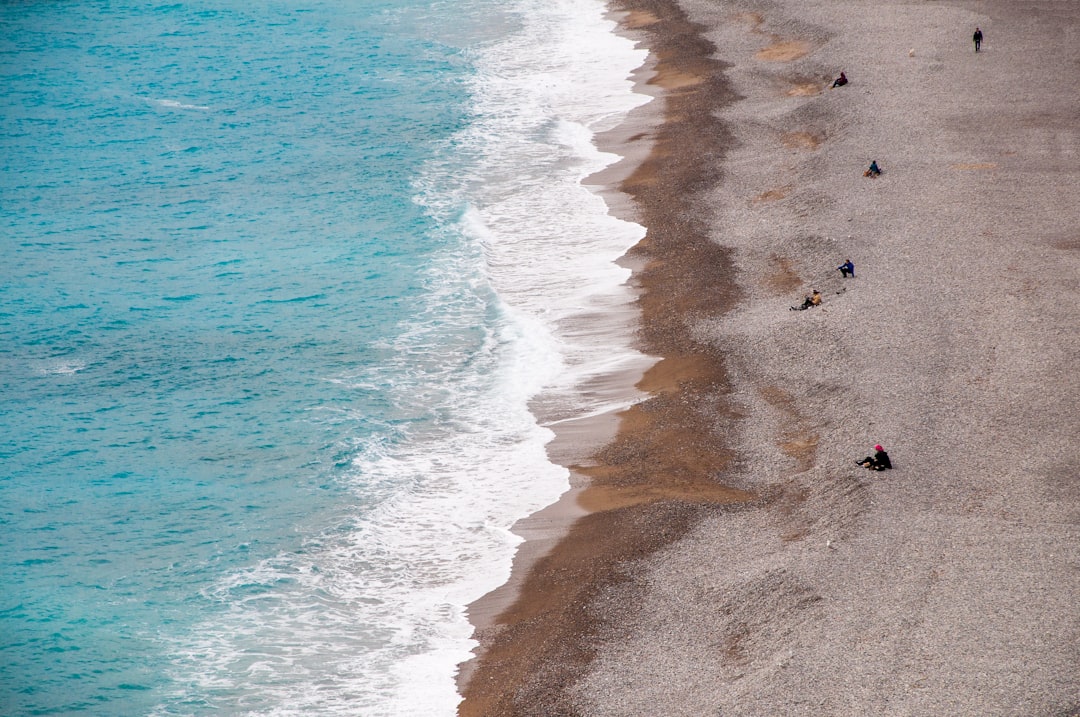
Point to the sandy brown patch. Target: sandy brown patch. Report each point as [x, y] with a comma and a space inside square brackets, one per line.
[653, 454]
[675, 80]
[780, 50]
[599, 498]
[803, 449]
[637, 19]
[793, 536]
[783, 51]
[974, 166]
[800, 140]
[779, 399]
[643, 179]
[796, 441]
[804, 89]
[671, 373]
[772, 195]
[754, 19]
[782, 279]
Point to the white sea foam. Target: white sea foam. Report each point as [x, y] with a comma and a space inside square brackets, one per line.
[58, 367]
[177, 105]
[551, 244]
[370, 618]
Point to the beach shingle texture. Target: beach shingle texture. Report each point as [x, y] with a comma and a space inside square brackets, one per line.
[951, 584]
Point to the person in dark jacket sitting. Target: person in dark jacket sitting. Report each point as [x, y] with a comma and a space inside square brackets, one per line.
[840, 81]
[877, 462]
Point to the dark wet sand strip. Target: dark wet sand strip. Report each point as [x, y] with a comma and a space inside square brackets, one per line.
[662, 471]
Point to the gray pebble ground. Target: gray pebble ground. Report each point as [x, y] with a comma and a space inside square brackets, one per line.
[951, 584]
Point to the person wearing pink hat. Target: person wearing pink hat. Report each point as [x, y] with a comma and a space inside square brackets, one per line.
[877, 462]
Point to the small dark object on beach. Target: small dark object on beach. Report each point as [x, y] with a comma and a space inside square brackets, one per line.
[877, 462]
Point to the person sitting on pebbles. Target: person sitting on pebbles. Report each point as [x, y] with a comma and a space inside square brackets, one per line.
[847, 269]
[874, 171]
[877, 462]
[840, 81]
[813, 300]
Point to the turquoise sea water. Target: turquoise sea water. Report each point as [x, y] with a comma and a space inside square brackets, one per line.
[280, 283]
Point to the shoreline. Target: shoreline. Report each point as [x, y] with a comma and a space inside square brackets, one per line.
[630, 469]
[948, 585]
[577, 439]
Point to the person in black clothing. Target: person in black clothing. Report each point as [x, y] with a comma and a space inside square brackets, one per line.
[877, 462]
[840, 81]
[977, 37]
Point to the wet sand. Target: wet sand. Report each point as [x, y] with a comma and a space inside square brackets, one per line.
[722, 554]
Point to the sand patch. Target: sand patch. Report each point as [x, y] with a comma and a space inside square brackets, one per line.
[657, 453]
[598, 498]
[772, 195]
[783, 50]
[803, 449]
[781, 280]
[675, 80]
[974, 166]
[644, 176]
[796, 442]
[779, 399]
[637, 19]
[670, 373]
[800, 140]
[780, 50]
[754, 19]
[804, 89]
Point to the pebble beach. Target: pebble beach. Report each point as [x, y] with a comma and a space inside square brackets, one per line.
[723, 554]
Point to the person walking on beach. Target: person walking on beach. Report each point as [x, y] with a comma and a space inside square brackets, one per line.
[813, 300]
[877, 462]
[847, 269]
[977, 37]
